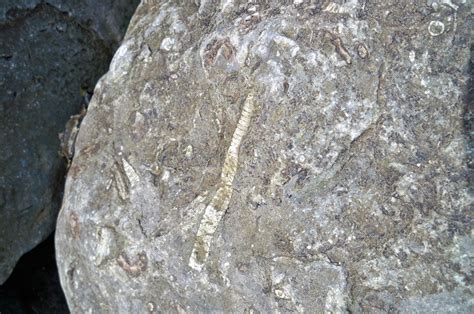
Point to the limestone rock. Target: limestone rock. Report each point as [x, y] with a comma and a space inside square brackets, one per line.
[49, 60]
[307, 156]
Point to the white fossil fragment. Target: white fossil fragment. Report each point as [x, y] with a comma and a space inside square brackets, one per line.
[412, 56]
[131, 174]
[436, 28]
[168, 44]
[281, 294]
[121, 186]
[336, 8]
[166, 175]
[189, 151]
[105, 246]
[216, 208]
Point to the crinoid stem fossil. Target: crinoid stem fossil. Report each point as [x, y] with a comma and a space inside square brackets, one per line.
[219, 203]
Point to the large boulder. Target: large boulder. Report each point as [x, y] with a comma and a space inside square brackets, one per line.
[50, 59]
[264, 157]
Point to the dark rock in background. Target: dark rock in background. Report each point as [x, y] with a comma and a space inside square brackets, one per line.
[51, 55]
[34, 287]
[107, 18]
[283, 156]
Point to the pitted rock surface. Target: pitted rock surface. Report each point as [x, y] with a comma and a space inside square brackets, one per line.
[342, 187]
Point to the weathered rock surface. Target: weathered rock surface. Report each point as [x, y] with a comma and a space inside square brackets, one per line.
[49, 59]
[255, 158]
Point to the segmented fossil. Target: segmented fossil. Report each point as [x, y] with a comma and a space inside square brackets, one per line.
[219, 203]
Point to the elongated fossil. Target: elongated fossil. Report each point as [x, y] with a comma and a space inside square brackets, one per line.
[219, 203]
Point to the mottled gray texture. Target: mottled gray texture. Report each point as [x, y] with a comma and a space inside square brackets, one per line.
[49, 60]
[351, 188]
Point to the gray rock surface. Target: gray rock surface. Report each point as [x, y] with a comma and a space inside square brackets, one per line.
[252, 158]
[49, 60]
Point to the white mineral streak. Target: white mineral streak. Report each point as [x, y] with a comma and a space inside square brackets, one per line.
[216, 208]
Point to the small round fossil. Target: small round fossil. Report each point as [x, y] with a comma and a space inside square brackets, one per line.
[436, 28]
